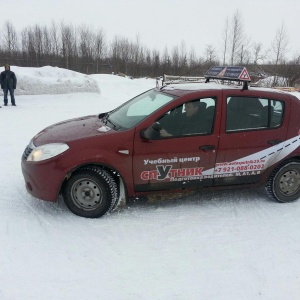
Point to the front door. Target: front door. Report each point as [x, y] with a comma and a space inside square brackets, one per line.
[185, 152]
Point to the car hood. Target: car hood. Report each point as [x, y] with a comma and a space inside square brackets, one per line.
[71, 130]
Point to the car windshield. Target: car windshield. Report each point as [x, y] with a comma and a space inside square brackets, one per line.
[137, 109]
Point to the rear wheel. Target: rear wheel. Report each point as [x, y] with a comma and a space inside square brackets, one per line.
[90, 192]
[284, 183]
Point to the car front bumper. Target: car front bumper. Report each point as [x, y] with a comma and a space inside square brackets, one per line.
[43, 179]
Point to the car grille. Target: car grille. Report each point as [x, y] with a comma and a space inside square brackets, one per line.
[26, 152]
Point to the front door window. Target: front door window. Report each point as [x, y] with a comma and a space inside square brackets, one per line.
[191, 118]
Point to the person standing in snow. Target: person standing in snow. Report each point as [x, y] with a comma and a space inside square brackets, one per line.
[8, 82]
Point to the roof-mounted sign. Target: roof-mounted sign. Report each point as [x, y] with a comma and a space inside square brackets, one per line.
[228, 73]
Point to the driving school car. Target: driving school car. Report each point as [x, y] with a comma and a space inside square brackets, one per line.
[153, 143]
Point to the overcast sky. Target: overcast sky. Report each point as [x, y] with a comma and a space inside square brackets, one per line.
[161, 23]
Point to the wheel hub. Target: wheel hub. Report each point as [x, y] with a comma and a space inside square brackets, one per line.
[290, 182]
[86, 194]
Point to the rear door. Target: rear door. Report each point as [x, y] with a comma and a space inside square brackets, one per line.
[182, 159]
[253, 132]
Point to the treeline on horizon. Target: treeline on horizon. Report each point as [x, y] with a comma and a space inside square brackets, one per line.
[88, 51]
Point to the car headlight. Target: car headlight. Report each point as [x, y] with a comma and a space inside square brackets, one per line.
[47, 151]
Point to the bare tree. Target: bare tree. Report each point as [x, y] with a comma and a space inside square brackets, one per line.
[175, 60]
[245, 52]
[55, 39]
[142, 62]
[10, 40]
[125, 54]
[47, 45]
[38, 44]
[85, 50]
[294, 72]
[210, 54]
[279, 49]
[280, 44]
[225, 40]
[237, 37]
[136, 56]
[68, 43]
[147, 66]
[121, 53]
[29, 45]
[99, 48]
[115, 53]
[166, 62]
[258, 53]
[155, 63]
[86, 47]
[183, 63]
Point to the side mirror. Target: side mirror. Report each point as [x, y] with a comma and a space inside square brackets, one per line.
[152, 132]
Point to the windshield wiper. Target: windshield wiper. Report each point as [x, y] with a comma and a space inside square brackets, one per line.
[104, 117]
[107, 120]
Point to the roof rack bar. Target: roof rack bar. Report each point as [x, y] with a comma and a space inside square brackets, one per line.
[225, 74]
[172, 79]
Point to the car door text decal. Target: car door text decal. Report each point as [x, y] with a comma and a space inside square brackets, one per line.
[167, 172]
[249, 165]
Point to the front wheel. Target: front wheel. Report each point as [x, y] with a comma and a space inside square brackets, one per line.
[284, 183]
[90, 192]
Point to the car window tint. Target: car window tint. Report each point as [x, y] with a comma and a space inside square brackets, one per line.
[137, 109]
[191, 118]
[276, 115]
[148, 105]
[249, 113]
[264, 116]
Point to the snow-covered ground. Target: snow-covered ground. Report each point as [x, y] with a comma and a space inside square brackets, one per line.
[220, 244]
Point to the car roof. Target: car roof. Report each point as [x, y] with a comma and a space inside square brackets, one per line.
[187, 88]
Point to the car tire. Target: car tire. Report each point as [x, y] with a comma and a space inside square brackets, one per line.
[90, 192]
[283, 184]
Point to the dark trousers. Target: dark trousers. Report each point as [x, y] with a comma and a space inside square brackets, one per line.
[11, 92]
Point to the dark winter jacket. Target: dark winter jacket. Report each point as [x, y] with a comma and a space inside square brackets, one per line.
[8, 79]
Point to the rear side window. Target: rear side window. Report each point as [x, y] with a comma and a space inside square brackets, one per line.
[248, 113]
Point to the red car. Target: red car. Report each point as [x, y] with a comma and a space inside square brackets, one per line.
[175, 137]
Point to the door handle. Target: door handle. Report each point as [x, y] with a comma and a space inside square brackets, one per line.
[274, 142]
[207, 147]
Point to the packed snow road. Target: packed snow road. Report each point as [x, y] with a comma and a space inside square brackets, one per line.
[221, 244]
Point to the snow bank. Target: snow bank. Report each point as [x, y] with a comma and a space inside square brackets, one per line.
[52, 80]
[110, 84]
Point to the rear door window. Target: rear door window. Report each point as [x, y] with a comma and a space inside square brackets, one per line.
[249, 113]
